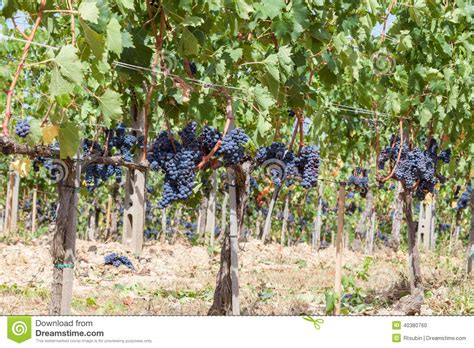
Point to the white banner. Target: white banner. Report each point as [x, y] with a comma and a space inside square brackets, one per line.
[238, 332]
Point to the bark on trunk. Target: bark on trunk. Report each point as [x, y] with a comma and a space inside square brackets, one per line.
[164, 227]
[64, 241]
[413, 254]
[34, 212]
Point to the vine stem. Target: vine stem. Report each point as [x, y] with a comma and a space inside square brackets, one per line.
[19, 29]
[300, 122]
[382, 35]
[8, 108]
[398, 157]
[293, 137]
[73, 24]
[229, 120]
[149, 94]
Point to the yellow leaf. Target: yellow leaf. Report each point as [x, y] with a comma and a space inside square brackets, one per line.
[454, 204]
[49, 133]
[21, 166]
[428, 197]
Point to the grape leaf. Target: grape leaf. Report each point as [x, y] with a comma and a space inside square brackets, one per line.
[50, 132]
[114, 37]
[59, 85]
[243, 9]
[69, 140]
[263, 97]
[189, 45]
[270, 8]
[69, 64]
[89, 11]
[94, 40]
[110, 105]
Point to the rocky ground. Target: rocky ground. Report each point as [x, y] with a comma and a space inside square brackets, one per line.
[179, 279]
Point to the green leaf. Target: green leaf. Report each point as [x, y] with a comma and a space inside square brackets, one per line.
[95, 40]
[189, 45]
[270, 8]
[235, 53]
[263, 126]
[263, 97]
[128, 4]
[395, 103]
[36, 133]
[193, 21]
[69, 140]
[89, 11]
[70, 65]
[127, 40]
[284, 58]
[243, 9]
[114, 37]
[271, 64]
[110, 105]
[425, 116]
[58, 84]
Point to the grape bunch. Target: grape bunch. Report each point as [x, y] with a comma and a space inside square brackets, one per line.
[417, 168]
[253, 183]
[360, 181]
[150, 234]
[308, 166]
[233, 147]
[118, 260]
[209, 138]
[466, 195]
[178, 166]
[123, 142]
[22, 128]
[193, 68]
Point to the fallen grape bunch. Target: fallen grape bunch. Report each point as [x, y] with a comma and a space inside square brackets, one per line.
[117, 260]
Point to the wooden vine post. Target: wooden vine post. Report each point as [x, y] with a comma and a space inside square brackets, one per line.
[211, 210]
[316, 237]
[413, 254]
[265, 236]
[64, 240]
[470, 248]
[34, 211]
[339, 248]
[226, 296]
[134, 204]
[284, 225]
[11, 209]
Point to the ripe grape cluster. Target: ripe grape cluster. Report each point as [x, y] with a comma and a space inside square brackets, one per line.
[178, 159]
[233, 147]
[97, 173]
[22, 128]
[416, 168]
[360, 181]
[305, 166]
[118, 260]
[466, 195]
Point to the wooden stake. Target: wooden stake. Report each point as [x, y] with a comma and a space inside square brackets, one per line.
[316, 240]
[470, 248]
[211, 210]
[234, 243]
[339, 247]
[284, 225]
[33, 212]
[268, 221]
[413, 254]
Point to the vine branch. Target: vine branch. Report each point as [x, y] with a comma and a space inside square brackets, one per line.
[8, 108]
